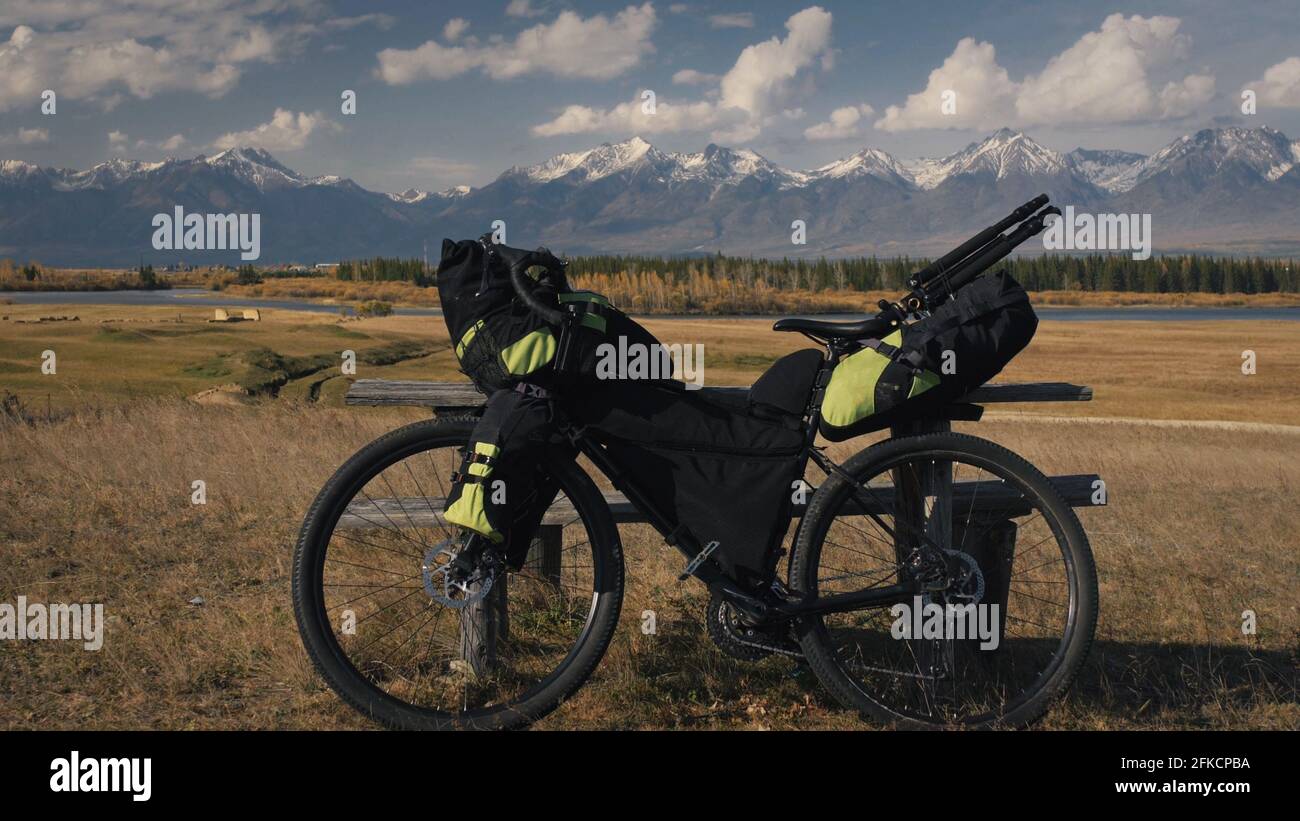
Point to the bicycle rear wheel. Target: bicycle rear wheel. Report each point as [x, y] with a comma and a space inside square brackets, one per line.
[398, 643]
[1008, 634]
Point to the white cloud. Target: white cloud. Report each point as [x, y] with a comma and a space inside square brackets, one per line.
[1280, 85]
[740, 20]
[455, 27]
[631, 118]
[760, 79]
[255, 44]
[1179, 99]
[521, 8]
[597, 47]
[378, 20]
[678, 8]
[99, 51]
[173, 143]
[442, 168]
[26, 136]
[117, 139]
[842, 125]
[753, 93]
[1104, 77]
[691, 77]
[286, 131]
[984, 94]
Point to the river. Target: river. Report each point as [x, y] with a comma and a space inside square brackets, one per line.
[198, 297]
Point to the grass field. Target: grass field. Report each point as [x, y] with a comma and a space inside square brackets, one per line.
[97, 508]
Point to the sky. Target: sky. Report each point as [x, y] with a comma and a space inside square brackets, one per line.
[450, 93]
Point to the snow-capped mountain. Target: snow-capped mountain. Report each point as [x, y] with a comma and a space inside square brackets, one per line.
[1003, 154]
[1224, 190]
[1265, 151]
[870, 162]
[414, 195]
[1107, 169]
[714, 164]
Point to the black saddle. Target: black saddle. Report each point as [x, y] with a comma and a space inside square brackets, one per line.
[834, 329]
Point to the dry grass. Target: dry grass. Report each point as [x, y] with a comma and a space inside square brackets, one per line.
[99, 510]
[1201, 526]
[701, 295]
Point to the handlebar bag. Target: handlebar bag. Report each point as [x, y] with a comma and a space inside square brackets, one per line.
[500, 342]
[916, 370]
[706, 463]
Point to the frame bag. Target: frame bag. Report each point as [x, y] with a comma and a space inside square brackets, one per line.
[706, 463]
[917, 369]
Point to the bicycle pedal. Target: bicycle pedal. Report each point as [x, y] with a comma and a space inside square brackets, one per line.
[700, 558]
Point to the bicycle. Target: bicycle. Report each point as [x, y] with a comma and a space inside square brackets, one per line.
[931, 522]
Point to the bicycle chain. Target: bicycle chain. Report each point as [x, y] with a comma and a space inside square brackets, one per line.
[732, 636]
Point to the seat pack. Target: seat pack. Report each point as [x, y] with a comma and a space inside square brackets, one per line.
[929, 363]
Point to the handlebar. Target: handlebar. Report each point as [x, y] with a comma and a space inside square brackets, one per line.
[1000, 247]
[525, 288]
[519, 261]
[953, 258]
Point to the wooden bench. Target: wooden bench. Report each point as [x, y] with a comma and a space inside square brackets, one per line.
[1078, 490]
[921, 505]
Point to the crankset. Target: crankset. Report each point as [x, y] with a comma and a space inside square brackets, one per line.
[746, 642]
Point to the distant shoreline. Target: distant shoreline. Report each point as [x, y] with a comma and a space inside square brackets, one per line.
[1059, 306]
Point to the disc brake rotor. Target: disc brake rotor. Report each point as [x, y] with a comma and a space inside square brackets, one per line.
[445, 585]
[967, 581]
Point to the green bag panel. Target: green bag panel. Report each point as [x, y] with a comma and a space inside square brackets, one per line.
[922, 382]
[467, 505]
[530, 353]
[851, 394]
[464, 343]
[469, 510]
[585, 296]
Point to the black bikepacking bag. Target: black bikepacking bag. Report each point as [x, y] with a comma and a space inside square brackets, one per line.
[907, 376]
[705, 463]
[499, 342]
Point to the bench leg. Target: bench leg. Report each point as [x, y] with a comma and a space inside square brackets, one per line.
[545, 552]
[995, 553]
[484, 627]
[923, 505]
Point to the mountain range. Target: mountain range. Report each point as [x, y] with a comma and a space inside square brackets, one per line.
[1227, 190]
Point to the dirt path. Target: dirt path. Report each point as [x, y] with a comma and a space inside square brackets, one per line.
[1199, 424]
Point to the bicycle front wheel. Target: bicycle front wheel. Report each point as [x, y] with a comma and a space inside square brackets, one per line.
[993, 645]
[406, 649]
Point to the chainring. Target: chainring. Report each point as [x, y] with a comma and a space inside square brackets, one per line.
[740, 641]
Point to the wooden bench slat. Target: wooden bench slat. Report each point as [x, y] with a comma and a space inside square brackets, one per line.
[988, 496]
[447, 396]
